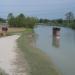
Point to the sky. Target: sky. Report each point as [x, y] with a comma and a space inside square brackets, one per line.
[50, 9]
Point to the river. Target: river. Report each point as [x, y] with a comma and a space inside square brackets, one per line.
[61, 50]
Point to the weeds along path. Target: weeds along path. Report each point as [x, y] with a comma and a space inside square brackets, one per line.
[9, 57]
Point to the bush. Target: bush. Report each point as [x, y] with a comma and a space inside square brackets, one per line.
[22, 21]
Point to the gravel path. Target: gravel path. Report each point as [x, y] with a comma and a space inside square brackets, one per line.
[9, 55]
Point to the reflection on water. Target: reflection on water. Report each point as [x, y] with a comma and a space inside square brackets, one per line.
[56, 41]
[60, 48]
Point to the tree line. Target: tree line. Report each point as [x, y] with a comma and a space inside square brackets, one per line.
[68, 21]
[29, 22]
[21, 21]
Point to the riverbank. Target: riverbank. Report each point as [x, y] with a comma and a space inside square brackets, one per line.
[38, 62]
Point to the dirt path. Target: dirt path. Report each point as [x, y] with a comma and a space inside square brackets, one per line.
[9, 57]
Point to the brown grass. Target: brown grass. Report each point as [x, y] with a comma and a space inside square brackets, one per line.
[16, 29]
[12, 30]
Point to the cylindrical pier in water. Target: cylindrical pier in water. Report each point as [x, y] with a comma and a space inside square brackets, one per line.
[56, 37]
[56, 31]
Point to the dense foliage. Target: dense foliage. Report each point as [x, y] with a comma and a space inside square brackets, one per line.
[68, 21]
[21, 21]
[44, 20]
[2, 20]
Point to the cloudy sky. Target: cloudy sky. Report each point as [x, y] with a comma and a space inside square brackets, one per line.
[51, 9]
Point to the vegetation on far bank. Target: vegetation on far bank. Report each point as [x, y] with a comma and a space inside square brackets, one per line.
[67, 21]
[38, 62]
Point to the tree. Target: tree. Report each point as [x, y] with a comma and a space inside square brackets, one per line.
[21, 21]
[21, 16]
[69, 17]
[30, 22]
[60, 21]
[10, 15]
[11, 19]
[44, 20]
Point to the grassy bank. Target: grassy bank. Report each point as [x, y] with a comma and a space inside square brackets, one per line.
[38, 62]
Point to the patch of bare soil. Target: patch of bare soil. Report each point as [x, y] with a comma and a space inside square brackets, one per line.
[11, 59]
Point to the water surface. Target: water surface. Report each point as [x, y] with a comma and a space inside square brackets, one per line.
[61, 50]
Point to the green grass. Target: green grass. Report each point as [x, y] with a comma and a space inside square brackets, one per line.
[38, 61]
